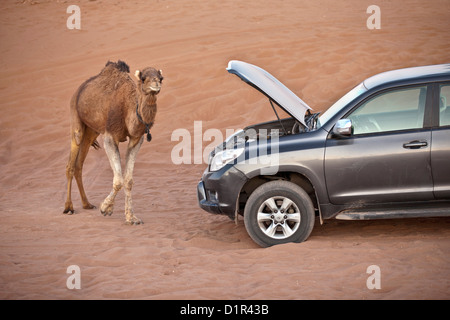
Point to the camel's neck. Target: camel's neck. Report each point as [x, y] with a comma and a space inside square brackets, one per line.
[147, 107]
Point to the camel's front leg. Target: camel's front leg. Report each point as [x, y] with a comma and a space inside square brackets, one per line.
[112, 151]
[133, 148]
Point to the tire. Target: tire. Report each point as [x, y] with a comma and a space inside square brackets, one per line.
[279, 212]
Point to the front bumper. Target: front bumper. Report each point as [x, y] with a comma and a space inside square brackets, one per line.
[218, 192]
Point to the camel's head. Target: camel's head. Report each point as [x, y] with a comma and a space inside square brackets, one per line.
[150, 80]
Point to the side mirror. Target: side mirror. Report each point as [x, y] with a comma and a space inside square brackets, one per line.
[343, 128]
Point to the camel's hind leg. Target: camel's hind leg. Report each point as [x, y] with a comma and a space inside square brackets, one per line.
[88, 138]
[77, 133]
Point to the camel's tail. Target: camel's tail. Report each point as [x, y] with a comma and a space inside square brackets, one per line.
[96, 145]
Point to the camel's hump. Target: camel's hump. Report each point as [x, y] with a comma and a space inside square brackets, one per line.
[119, 65]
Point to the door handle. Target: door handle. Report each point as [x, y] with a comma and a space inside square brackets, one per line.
[415, 144]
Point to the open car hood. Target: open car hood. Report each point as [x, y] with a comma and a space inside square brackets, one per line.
[271, 87]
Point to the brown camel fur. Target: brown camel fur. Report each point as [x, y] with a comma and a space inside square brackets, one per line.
[112, 104]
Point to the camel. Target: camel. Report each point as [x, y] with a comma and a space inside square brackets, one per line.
[113, 105]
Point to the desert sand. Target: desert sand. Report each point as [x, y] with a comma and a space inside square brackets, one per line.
[319, 49]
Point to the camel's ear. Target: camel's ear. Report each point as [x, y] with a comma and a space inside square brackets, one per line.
[160, 75]
[137, 74]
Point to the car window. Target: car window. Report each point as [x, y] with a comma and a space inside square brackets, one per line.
[444, 105]
[399, 109]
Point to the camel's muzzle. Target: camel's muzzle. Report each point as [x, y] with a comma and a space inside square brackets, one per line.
[152, 89]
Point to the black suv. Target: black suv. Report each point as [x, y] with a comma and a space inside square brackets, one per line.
[381, 151]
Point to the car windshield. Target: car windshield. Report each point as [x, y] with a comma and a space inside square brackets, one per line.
[335, 108]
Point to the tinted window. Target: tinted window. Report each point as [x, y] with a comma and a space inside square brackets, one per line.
[444, 105]
[399, 109]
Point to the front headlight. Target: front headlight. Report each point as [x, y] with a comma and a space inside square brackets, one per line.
[223, 157]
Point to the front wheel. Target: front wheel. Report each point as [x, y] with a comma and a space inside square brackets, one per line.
[279, 212]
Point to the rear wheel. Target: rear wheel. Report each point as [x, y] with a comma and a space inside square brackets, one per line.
[279, 212]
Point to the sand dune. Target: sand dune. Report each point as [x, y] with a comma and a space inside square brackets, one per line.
[319, 49]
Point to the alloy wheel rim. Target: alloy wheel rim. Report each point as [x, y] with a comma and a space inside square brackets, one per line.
[278, 217]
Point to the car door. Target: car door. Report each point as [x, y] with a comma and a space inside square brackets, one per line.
[440, 150]
[387, 158]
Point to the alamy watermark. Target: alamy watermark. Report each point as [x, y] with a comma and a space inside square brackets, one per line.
[252, 146]
[190, 149]
[74, 20]
[374, 280]
[74, 280]
[374, 20]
